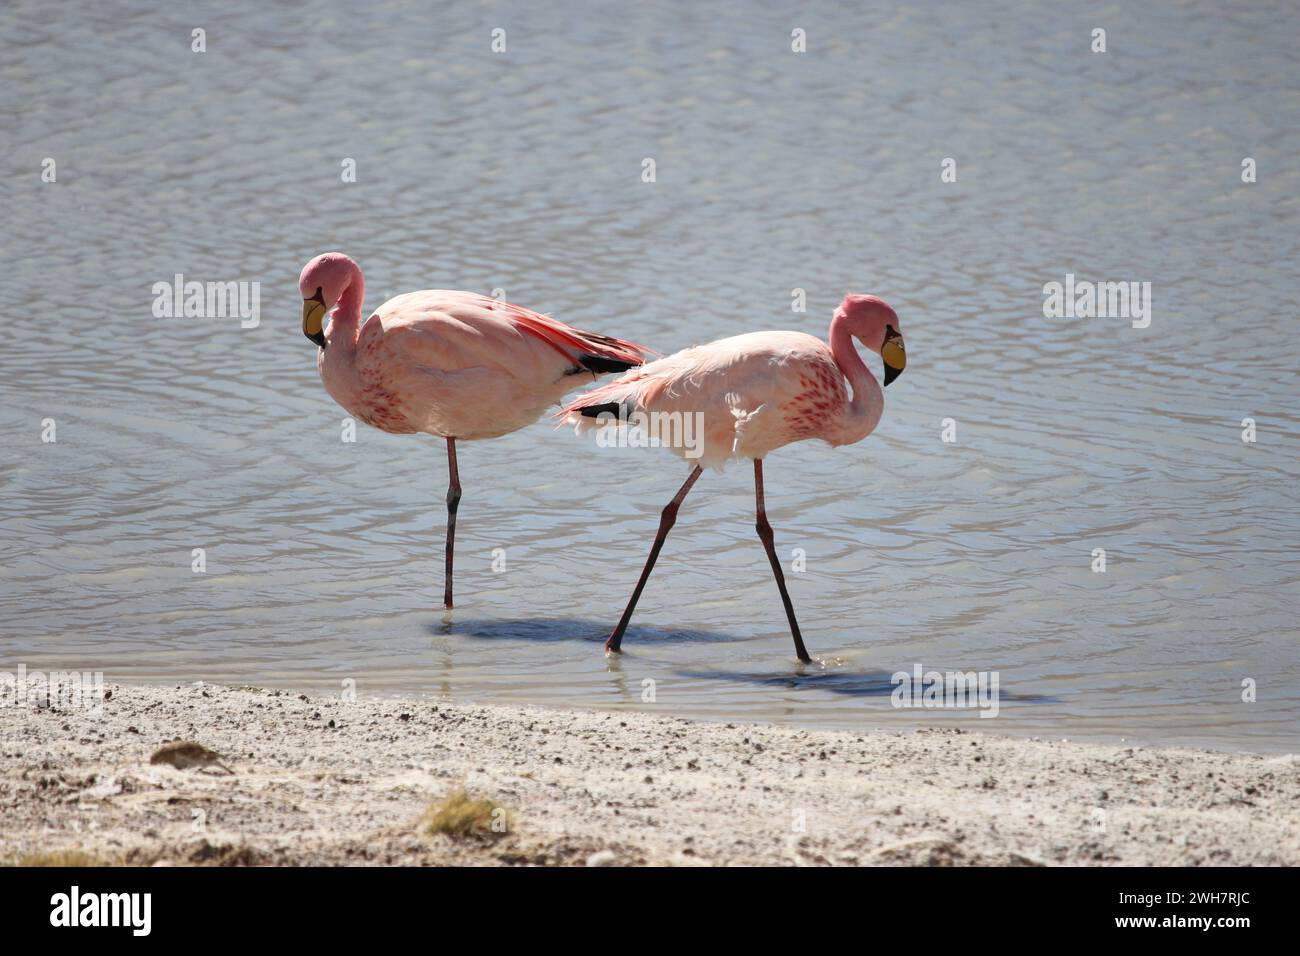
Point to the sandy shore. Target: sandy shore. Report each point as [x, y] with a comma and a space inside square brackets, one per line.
[328, 781]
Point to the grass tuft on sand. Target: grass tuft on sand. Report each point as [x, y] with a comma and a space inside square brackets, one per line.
[58, 858]
[461, 815]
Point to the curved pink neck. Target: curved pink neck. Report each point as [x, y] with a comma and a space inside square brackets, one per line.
[868, 401]
[347, 314]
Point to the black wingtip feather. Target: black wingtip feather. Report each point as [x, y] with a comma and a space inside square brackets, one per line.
[617, 409]
[602, 366]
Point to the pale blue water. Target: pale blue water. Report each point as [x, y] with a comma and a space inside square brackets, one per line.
[775, 170]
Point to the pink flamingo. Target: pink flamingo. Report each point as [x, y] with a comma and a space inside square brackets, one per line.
[457, 365]
[752, 394]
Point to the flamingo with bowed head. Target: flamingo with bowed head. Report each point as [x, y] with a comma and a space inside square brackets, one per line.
[457, 365]
[753, 394]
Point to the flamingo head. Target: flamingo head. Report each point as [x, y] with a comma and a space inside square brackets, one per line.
[875, 324]
[322, 283]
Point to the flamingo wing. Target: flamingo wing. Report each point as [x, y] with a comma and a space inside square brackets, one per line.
[754, 392]
[465, 365]
[449, 330]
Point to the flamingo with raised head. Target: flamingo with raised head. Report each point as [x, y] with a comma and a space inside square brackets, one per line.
[752, 394]
[457, 365]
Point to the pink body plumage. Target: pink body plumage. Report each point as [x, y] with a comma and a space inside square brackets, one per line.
[757, 392]
[452, 364]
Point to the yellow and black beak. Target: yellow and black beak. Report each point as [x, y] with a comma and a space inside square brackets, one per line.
[894, 354]
[313, 317]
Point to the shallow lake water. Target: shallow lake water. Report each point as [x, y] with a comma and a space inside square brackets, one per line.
[774, 171]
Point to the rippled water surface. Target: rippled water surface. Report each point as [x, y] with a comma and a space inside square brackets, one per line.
[775, 171]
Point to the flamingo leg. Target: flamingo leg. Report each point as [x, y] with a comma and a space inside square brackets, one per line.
[666, 520]
[453, 501]
[765, 534]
